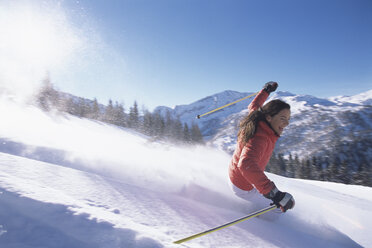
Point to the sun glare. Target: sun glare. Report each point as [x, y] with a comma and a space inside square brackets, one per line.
[37, 35]
[34, 39]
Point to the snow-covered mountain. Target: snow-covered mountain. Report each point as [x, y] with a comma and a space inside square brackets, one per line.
[316, 126]
[364, 98]
[72, 182]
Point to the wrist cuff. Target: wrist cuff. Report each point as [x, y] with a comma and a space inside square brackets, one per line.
[272, 193]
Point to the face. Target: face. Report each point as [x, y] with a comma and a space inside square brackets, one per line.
[279, 121]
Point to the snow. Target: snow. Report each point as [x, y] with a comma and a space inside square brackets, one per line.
[71, 182]
[364, 98]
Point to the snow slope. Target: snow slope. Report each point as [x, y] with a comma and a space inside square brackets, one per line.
[70, 182]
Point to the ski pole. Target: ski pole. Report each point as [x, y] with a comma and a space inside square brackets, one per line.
[262, 211]
[224, 106]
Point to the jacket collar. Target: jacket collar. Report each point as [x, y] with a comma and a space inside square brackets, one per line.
[266, 127]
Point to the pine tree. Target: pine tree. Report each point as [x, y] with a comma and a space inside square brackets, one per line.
[332, 170]
[291, 167]
[148, 124]
[273, 165]
[82, 108]
[305, 171]
[48, 97]
[315, 168]
[297, 169]
[71, 107]
[186, 134]
[323, 163]
[158, 125]
[168, 123]
[366, 174]
[362, 176]
[134, 116]
[343, 175]
[177, 130]
[109, 113]
[196, 136]
[95, 113]
[119, 117]
[282, 165]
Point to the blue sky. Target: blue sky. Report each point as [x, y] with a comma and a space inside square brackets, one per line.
[172, 52]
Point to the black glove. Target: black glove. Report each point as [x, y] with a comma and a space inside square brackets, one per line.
[270, 86]
[283, 200]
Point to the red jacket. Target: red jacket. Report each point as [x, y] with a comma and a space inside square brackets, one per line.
[246, 169]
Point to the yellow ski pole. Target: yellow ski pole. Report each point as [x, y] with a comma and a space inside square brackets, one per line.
[262, 211]
[224, 106]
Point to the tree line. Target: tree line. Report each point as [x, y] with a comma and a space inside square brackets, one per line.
[321, 168]
[152, 124]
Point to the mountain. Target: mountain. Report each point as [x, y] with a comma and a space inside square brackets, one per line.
[208, 125]
[364, 98]
[317, 127]
[73, 182]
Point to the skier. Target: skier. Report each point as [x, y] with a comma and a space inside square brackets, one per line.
[257, 136]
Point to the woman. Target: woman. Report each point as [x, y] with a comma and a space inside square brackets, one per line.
[257, 136]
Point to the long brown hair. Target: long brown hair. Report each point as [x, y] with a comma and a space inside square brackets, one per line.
[248, 125]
